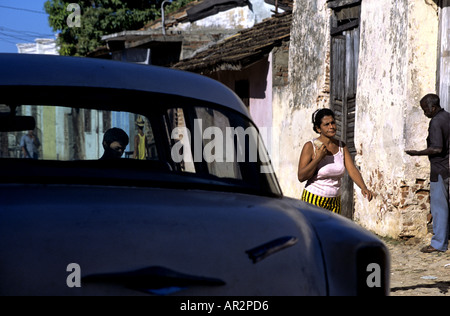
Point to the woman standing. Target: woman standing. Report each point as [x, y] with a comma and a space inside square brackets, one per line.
[323, 162]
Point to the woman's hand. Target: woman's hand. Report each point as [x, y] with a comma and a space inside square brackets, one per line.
[321, 152]
[367, 194]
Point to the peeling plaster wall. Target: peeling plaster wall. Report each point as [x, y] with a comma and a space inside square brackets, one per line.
[308, 86]
[397, 67]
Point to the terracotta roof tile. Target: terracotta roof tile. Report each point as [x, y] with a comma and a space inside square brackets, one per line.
[243, 48]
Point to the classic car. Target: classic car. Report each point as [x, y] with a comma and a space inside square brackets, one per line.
[200, 213]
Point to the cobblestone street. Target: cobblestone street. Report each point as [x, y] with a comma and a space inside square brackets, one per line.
[414, 273]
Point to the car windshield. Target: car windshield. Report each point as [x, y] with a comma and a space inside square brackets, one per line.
[176, 141]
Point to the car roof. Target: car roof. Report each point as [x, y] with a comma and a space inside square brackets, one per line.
[51, 70]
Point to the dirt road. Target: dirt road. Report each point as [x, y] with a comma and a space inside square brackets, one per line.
[414, 273]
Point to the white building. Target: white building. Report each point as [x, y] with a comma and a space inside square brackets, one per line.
[45, 46]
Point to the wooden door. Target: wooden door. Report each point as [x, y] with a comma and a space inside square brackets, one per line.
[344, 70]
[344, 76]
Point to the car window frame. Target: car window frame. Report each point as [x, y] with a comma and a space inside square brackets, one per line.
[113, 100]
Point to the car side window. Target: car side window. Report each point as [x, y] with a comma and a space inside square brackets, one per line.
[196, 143]
[218, 143]
[179, 139]
[66, 134]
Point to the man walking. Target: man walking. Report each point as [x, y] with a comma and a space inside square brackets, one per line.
[437, 151]
[30, 145]
[140, 141]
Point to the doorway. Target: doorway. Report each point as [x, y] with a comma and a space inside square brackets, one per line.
[344, 57]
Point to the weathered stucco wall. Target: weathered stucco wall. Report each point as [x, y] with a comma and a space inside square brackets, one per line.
[308, 75]
[397, 67]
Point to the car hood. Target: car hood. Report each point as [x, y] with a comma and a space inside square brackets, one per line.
[228, 239]
[348, 251]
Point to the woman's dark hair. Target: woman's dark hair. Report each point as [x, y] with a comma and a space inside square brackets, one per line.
[318, 116]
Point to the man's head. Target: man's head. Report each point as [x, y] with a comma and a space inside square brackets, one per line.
[430, 105]
[140, 123]
[115, 141]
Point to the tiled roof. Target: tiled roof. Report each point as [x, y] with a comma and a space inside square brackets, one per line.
[243, 48]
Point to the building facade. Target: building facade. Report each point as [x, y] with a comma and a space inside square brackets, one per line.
[371, 61]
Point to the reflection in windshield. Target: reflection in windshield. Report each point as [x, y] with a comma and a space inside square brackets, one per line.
[114, 143]
[205, 142]
[64, 133]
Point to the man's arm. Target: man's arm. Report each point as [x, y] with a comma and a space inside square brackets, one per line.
[426, 152]
[24, 151]
[22, 146]
[136, 147]
[36, 141]
[435, 143]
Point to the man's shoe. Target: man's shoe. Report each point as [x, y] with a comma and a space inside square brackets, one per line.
[429, 249]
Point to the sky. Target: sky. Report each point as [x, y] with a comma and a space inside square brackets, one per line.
[22, 21]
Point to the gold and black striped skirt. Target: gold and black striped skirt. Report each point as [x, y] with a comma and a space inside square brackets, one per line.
[332, 204]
